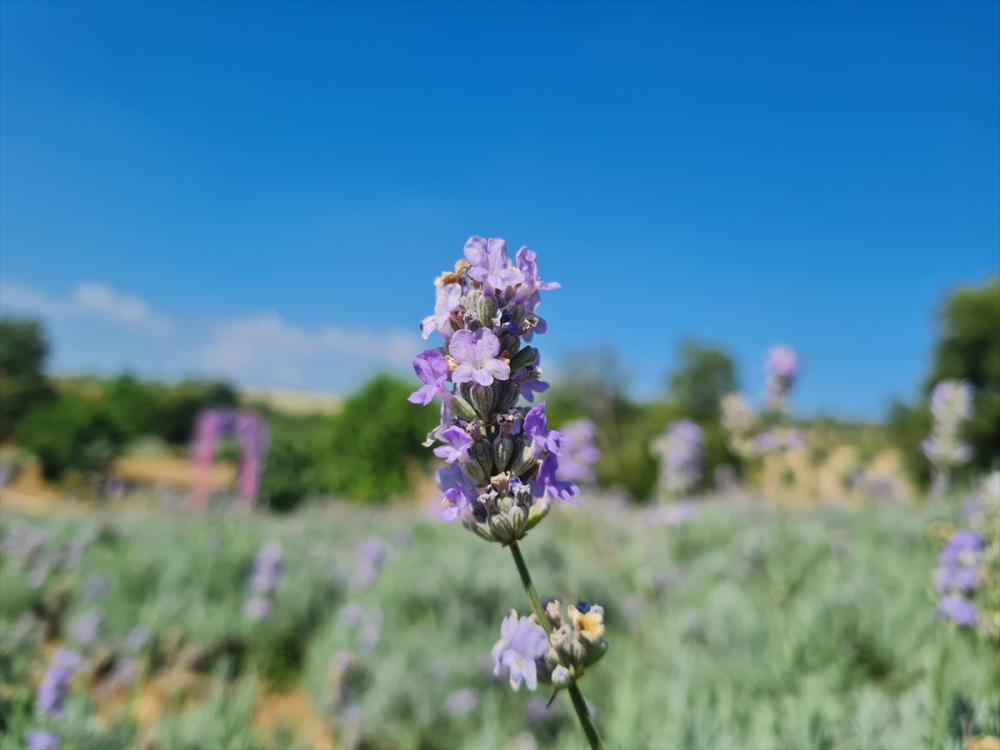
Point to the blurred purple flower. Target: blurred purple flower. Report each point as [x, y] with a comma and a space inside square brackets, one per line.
[634, 606]
[351, 614]
[432, 368]
[962, 544]
[490, 265]
[372, 551]
[258, 608]
[54, 686]
[40, 739]
[781, 361]
[447, 298]
[476, 356]
[365, 575]
[520, 644]
[461, 702]
[958, 609]
[577, 465]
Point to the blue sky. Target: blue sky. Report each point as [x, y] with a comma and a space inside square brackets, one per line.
[265, 191]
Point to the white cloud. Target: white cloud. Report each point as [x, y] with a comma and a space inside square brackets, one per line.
[88, 299]
[266, 348]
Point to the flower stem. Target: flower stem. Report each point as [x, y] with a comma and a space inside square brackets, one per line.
[582, 712]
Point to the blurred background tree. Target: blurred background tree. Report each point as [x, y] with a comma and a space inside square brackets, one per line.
[967, 348]
[705, 374]
[23, 351]
[367, 450]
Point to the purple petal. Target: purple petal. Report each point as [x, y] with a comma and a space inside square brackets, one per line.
[463, 373]
[475, 251]
[483, 377]
[463, 346]
[499, 370]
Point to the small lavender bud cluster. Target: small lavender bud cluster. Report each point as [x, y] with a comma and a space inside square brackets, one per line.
[264, 581]
[557, 659]
[680, 449]
[503, 458]
[781, 364]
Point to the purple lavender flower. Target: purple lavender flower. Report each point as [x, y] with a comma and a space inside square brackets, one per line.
[781, 361]
[372, 551]
[548, 487]
[963, 544]
[520, 644]
[476, 356]
[447, 298]
[577, 465]
[680, 450]
[432, 368]
[351, 614]
[458, 489]
[54, 687]
[461, 702]
[457, 443]
[365, 576]
[958, 609]
[267, 572]
[86, 628]
[258, 608]
[490, 265]
[537, 426]
[952, 400]
[528, 265]
[40, 739]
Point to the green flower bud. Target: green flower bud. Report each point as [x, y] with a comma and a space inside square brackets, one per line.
[597, 649]
[471, 300]
[486, 308]
[501, 528]
[517, 313]
[462, 408]
[503, 449]
[524, 460]
[508, 393]
[482, 454]
[518, 521]
[523, 358]
[505, 503]
[538, 511]
[483, 531]
[561, 677]
[482, 400]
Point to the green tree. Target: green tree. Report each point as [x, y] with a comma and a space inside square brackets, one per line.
[968, 348]
[23, 351]
[133, 404]
[704, 376]
[70, 434]
[366, 449]
[179, 404]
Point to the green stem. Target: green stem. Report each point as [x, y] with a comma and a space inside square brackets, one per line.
[582, 712]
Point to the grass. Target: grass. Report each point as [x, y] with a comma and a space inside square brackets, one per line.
[746, 628]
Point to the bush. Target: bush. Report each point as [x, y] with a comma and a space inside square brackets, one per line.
[70, 434]
[704, 376]
[133, 405]
[367, 448]
[23, 350]
[291, 473]
[968, 348]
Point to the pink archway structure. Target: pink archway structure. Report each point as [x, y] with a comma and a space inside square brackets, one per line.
[249, 427]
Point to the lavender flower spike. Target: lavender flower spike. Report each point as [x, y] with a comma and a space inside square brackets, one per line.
[432, 368]
[490, 264]
[527, 264]
[476, 356]
[521, 643]
[40, 739]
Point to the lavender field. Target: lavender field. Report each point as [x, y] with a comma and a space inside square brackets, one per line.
[743, 627]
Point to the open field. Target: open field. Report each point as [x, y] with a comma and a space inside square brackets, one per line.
[744, 628]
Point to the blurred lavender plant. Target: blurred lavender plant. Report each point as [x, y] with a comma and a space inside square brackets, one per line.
[54, 687]
[40, 739]
[264, 581]
[951, 407]
[680, 449]
[580, 454]
[781, 364]
[503, 472]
